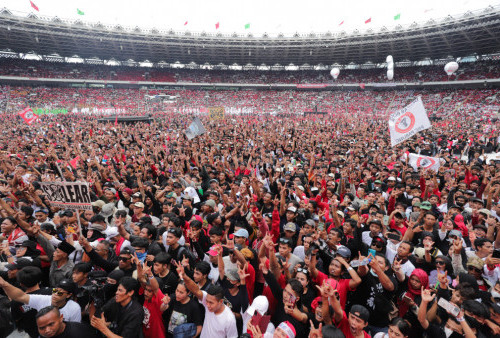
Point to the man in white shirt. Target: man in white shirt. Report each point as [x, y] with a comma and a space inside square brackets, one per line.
[219, 319]
[61, 298]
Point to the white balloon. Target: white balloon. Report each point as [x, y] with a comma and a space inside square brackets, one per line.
[451, 67]
[335, 73]
[390, 66]
[390, 74]
[389, 59]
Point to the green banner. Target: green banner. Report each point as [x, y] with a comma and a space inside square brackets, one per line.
[41, 111]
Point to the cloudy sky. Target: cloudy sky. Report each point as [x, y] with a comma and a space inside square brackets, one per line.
[271, 16]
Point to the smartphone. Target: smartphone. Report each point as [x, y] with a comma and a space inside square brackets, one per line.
[385, 220]
[449, 307]
[292, 300]
[372, 252]
[496, 254]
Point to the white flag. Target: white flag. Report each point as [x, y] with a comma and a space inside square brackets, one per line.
[426, 162]
[195, 129]
[408, 121]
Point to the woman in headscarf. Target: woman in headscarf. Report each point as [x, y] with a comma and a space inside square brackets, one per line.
[410, 299]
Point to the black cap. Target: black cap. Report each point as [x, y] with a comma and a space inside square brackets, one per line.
[360, 311]
[66, 247]
[21, 263]
[67, 285]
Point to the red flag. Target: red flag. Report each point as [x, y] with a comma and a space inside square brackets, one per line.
[340, 24]
[35, 7]
[185, 23]
[217, 25]
[362, 85]
[116, 120]
[28, 116]
[74, 162]
[369, 20]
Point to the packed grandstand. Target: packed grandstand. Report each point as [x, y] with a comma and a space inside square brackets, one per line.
[240, 186]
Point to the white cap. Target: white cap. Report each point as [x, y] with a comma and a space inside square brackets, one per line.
[261, 304]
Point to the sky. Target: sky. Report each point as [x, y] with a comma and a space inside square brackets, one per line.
[264, 16]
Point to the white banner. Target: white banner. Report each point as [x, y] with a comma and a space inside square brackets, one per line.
[408, 121]
[426, 162]
[68, 195]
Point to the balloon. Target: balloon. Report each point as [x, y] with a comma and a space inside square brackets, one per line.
[390, 66]
[451, 67]
[389, 59]
[390, 74]
[335, 73]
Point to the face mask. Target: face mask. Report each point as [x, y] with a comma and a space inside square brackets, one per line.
[472, 322]
[142, 256]
[495, 294]
[373, 273]
[451, 334]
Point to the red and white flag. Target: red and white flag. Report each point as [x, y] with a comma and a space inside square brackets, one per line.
[408, 121]
[426, 162]
[28, 116]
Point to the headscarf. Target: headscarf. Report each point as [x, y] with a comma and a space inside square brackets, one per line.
[411, 292]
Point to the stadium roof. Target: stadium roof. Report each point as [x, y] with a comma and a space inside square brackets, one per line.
[471, 33]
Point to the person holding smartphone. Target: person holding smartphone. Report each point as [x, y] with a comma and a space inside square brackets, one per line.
[289, 303]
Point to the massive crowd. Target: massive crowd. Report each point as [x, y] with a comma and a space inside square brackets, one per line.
[265, 226]
[362, 103]
[44, 69]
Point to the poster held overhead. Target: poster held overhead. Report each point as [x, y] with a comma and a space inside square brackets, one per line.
[408, 121]
[195, 129]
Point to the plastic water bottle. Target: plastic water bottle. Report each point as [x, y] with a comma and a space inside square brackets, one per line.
[356, 263]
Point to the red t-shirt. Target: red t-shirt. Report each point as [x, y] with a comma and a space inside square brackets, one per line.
[346, 328]
[342, 288]
[152, 325]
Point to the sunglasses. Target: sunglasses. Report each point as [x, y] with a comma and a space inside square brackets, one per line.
[284, 240]
[377, 245]
[440, 263]
[473, 268]
[59, 293]
[123, 259]
[303, 270]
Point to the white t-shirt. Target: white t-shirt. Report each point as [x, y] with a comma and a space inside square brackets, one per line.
[221, 325]
[71, 311]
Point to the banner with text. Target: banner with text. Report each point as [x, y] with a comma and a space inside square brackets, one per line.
[408, 121]
[68, 195]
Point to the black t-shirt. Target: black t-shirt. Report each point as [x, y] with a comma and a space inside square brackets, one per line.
[371, 294]
[24, 316]
[126, 321]
[170, 282]
[178, 314]
[78, 330]
[239, 302]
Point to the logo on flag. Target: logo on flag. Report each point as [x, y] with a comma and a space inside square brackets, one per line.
[28, 116]
[408, 121]
[405, 123]
[426, 162]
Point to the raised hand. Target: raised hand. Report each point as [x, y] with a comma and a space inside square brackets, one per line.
[427, 296]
